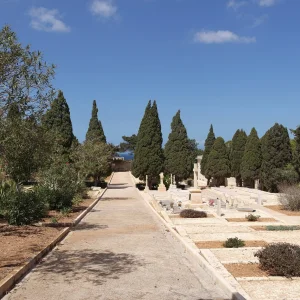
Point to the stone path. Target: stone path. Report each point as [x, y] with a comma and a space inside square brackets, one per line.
[120, 250]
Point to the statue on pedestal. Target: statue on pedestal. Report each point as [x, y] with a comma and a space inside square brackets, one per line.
[162, 187]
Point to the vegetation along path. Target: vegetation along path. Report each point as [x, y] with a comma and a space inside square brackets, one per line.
[121, 250]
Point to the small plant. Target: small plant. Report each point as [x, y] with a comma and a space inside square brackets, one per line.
[252, 218]
[77, 200]
[280, 259]
[234, 243]
[54, 220]
[65, 211]
[282, 228]
[191, 213]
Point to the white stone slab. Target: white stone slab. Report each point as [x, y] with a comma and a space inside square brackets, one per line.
[236, 255]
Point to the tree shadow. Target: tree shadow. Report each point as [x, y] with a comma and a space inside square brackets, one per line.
[89, 226]
[89, 265]
[116, 184]
[118, 187]
[115, 198]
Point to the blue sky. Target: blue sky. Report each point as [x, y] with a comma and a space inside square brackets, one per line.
[232, 63]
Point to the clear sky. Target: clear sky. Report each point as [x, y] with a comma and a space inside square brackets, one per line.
[232, 63]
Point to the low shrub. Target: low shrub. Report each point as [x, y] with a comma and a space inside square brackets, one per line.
[290, 197]
[191, 213]
[59, 185]
[234, 243]
[252, 218]
[22, 208]
[281, 259]
[281, 228]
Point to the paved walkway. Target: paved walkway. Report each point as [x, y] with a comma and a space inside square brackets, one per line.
[120, 250]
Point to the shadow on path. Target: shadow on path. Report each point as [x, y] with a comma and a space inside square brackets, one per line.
[89, 265]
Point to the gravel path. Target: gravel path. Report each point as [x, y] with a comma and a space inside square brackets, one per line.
[121, 250]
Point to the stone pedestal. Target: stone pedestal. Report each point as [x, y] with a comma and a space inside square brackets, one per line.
[195, 196]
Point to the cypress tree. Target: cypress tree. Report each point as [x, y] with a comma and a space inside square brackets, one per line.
[209, 142]
[252, 158]
[218, 165]
[296, 152]
[95, 131]
[57, 120]
[236, 154]
[276, 155]
[148, 154]
[178, 154]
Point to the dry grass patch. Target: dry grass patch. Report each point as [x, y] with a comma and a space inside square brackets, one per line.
[245, 270]
[280, 209]
[245, 220]
[219, 244]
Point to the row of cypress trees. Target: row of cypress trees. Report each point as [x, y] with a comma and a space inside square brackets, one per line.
[150, 158]
[268, 159]
[58, 120]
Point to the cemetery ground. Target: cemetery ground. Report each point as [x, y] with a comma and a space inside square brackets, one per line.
[238, 266]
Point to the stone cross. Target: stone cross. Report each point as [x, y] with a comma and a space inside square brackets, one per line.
[146, 187]
[195, 176]
[171, 179]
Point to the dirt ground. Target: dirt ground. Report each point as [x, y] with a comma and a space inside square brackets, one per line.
[219, 244]
[245, 270]
[280, 209]
[70, 217]
[245, 220]
[20, 243]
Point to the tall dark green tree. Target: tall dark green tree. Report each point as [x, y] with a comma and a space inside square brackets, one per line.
[236, 154]
[218, 164]
[252, 158]
[178, 152]
[296, 152]
[276, 156]
[209, 142]
[129, 143]
[57, 120]
[148, 154]
[95, 131]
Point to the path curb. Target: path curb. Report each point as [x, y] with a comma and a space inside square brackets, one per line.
[230, 291]
[10, 280]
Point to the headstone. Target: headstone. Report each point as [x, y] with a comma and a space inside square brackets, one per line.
[162, 187]
[256, 184]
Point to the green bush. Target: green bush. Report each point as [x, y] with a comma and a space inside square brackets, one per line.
[20, 207]
[282, 228]
[281, 259]
[234, 243]
[252, 218]
[59, 185]
[191, 213]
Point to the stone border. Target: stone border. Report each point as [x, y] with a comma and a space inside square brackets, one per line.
[194, 254]
[10, 280]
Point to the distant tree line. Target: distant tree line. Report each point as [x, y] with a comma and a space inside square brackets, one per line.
[273, 159]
